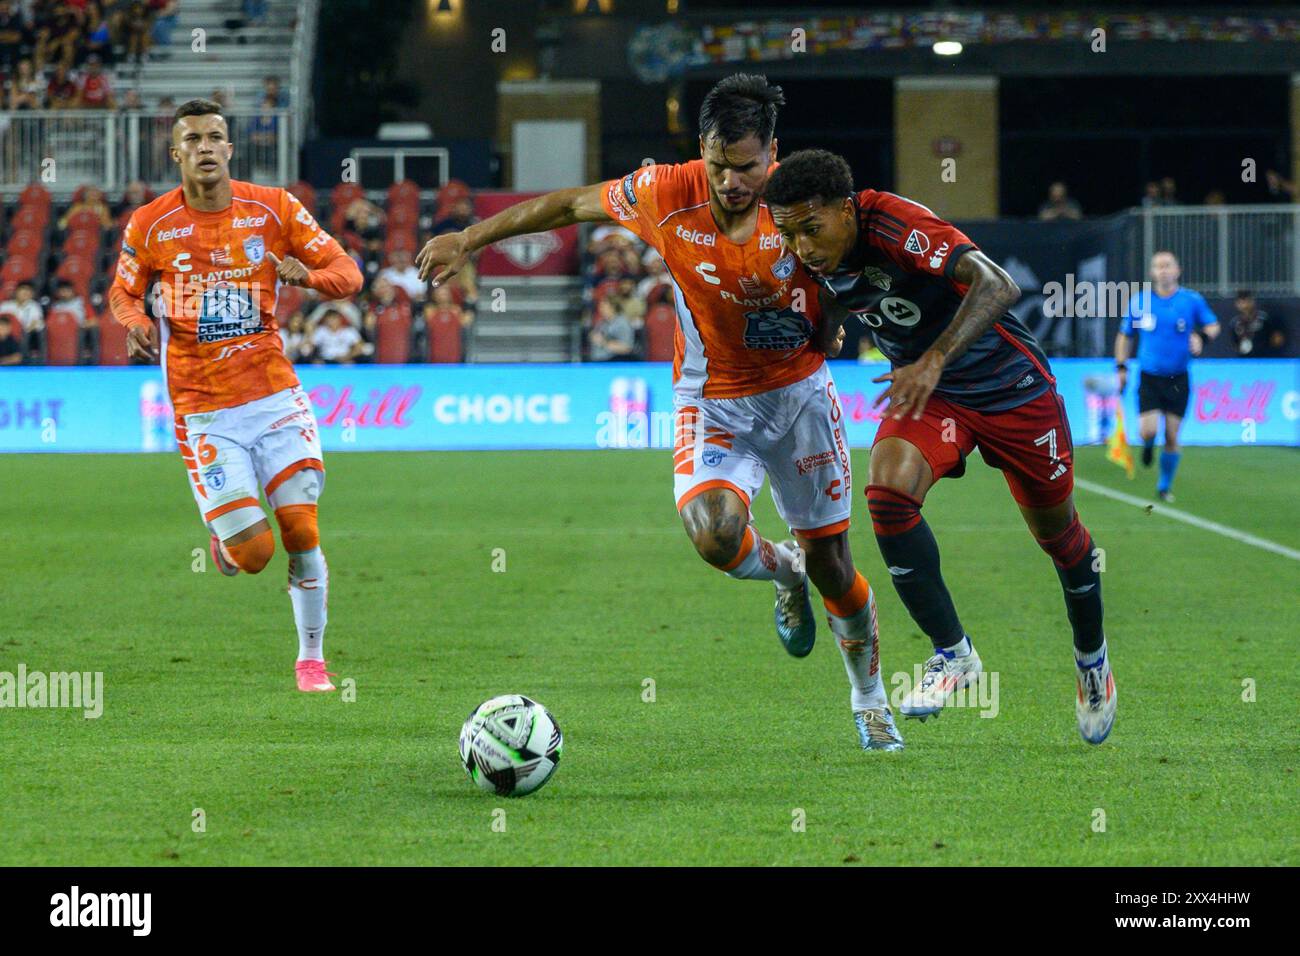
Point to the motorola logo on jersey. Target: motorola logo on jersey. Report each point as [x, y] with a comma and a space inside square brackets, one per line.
[898, 310]
[248, 222]
[179, 232]
[696, 236]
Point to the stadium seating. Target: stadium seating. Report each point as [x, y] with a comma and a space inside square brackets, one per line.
[444, 337]
[112, 340]
[660, 327]
[393, 334]
[306, 195]
[62, 338]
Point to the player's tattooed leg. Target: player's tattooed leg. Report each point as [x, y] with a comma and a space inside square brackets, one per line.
[716, 521]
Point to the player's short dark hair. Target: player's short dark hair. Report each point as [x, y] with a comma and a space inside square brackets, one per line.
[743, 104]
[809, 174]
[199, 107]
[1165, 252]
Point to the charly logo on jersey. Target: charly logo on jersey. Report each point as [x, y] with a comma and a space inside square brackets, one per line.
[918, 243]
[783, 268]
[528, 250]
[705, 271]
[255, 249]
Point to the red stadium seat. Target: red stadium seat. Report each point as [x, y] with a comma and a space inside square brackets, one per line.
[31, 217]
[393, 334]
[62, 338]
[448, 196]
[344, 193]
[306, 194]
[16, 269]
[83, 243]
[404, 191]
[87, 220]
[289, 301]
[25, 242]
[444, 337]
[79, 271]
[660, 329]
[35, 195]
[403, 217]
[112, 340]
[400, 239]
[661, 293]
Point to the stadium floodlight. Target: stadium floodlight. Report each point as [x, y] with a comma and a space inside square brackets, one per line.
[947, 47]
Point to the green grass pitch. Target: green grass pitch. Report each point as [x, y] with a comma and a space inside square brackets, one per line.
[602, 591]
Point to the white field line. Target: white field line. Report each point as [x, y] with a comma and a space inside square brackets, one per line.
[1261, 543]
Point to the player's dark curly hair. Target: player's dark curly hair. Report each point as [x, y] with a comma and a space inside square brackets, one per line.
[809, 174]
[744, 104]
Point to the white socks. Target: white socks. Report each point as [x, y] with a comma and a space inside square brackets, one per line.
[859, 640]
[761, 560]
[308, 590]
[961, 649]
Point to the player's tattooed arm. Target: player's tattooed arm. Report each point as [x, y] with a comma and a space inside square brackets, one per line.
[990, 292]
[830, 335]
[443, 256]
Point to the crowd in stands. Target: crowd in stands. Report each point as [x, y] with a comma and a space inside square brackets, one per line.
[56, 38]
[628, 299]
[58, 265]
[1162, 192]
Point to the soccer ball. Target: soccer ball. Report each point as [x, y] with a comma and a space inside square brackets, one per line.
[510, 745]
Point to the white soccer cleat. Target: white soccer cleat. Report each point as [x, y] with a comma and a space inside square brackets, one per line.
[1094, 706]
[944, 675]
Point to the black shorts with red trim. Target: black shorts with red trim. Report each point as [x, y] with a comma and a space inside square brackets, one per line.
[1030, 444]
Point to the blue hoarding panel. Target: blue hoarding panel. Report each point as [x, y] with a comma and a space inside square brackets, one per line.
[418, 407]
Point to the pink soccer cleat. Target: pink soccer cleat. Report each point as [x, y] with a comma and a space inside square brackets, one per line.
[221, 559]
[312, 676]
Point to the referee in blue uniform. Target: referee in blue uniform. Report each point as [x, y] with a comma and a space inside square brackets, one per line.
[1171, 323]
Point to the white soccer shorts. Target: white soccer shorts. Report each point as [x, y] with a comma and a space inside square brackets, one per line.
[232, 454]
[794, 435]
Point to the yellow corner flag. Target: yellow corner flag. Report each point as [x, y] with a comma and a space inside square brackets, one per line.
[1117, 449]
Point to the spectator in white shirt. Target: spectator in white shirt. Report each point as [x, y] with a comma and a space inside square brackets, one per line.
[351, 313]
[336, 341]
[25, 309]
[402, 273]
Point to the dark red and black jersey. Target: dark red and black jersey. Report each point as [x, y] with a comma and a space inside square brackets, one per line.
[899, 283]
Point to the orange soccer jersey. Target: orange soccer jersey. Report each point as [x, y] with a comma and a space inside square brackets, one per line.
[745, 312]
[216, 289]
